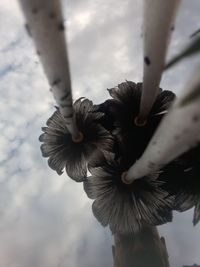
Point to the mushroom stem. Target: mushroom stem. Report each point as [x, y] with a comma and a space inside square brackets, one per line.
[178, 132]
[44, 22]
[159, 19]
[146, 248]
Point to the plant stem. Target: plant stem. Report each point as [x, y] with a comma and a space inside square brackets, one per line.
[159, 19]
[44, 22]
[143, 249]
[178, 132]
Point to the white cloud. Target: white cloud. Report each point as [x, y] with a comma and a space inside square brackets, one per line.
[46, 220]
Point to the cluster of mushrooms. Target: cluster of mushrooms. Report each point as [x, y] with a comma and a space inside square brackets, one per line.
[137, 158]
[110, 141]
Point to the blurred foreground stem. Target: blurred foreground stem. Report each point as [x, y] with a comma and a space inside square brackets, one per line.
[140, 250]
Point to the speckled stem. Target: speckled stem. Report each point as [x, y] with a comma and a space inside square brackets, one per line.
[178, 132]
[158, 25]
[44, 23]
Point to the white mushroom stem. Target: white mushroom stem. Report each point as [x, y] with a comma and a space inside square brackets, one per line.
[44, 23]
[158, 22]
[178, 132]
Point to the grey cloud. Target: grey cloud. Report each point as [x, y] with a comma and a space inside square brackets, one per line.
[11, 45]
[182, 239]
[8, 68]
[46, 220]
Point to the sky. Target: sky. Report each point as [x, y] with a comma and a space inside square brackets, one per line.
[46, 219]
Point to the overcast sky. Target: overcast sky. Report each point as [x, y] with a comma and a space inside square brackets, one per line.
[46, 219]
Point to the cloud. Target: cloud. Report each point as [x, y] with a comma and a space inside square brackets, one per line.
[182, 239]
[46, 220]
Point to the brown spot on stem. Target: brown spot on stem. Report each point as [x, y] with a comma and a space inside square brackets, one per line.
[195, 118]
[65, 96]
[56, 82]
[52, 15]
[172, 28]
[61, 26]
[147, 61]
[28, 30]
[34, 10]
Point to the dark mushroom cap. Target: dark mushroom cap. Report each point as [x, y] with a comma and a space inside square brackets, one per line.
[125, 208]
[63, 152]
